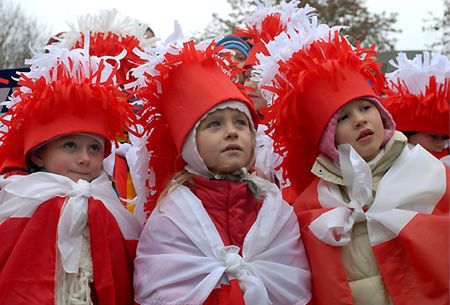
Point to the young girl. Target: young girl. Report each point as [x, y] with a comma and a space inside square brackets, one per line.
[66, 238]
[373, 214]
[116, 36]
[219, 235]
[418, 97]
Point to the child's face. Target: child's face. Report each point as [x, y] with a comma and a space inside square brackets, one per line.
[432, 142]
[360, 125]
[225, 140]
[75, 156]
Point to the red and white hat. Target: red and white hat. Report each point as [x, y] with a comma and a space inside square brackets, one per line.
[266, 23]
[418, 95]
[311, 73]
[180, 83]
[109, 35]
[66, 91]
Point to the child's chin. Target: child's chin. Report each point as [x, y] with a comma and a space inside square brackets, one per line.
[228, 168]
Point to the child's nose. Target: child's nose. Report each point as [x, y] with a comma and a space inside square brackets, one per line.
[359, 120]
[231, 131]
[84, 157]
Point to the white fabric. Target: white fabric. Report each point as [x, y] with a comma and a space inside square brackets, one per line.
[22, 195]
[181, 257]
[265, 157]
[76, 288]
[414, 184]
[446, 161]
[138, 158]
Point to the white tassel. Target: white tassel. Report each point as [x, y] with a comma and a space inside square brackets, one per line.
[302, 29]
[415, 73]
[75, 286]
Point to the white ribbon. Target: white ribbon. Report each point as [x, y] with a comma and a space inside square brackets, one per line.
[265, 157]
[137, 158]
[22, 195]
[273, 268]
[414, 184]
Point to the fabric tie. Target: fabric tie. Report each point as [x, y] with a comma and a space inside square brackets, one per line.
[206, 263]
[393, 207]
[22, 195]
[71, 224]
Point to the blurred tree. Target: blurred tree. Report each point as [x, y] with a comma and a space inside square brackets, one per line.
[367, 27]
[440, 24]
[18, 32]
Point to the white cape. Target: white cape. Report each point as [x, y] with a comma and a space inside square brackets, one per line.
[181, 257]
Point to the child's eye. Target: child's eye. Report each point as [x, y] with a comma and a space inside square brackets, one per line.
[366, 107]
[343, 118]
[241, 122]
[95, 148]
[213, 124]
[70, 145]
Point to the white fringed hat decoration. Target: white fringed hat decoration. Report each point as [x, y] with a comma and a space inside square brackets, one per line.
[179, 84]
[66, 91]
[267, 22]
[110, 35]
[311, 71]
[419, 93]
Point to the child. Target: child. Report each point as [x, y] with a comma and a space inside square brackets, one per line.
[218, 235]
[238, 49]
[66, 238]
[373, 214]
[418, 98]
[116, 36]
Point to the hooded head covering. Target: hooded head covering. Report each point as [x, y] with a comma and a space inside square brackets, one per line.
[181, 82]
[312, 72]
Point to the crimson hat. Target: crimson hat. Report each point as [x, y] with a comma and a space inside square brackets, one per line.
[311, 73]
[66, 91]
[419, 93]
[179, 84]
[110, 34]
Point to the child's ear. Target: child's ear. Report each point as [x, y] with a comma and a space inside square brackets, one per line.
[36, 157]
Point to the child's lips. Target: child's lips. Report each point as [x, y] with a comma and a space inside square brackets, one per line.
[232, 147]
[365, 134]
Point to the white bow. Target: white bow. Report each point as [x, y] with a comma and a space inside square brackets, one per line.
[414, 184]
[22, 195]
[272, 269]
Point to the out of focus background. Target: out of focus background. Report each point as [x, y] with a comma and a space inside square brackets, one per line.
[401, 25]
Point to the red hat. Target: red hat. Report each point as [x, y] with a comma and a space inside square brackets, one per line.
[266, 23]
[181, 85]
[419, 93]
[109, 35]
[319, 74]
[64, 92]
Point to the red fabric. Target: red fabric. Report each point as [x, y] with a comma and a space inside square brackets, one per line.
[414, 265]
[190, 82]
[329, 279]
[231, 206]
[28, 256]
[422, 112]
[226, 295]
[120, 176]
[233, 209]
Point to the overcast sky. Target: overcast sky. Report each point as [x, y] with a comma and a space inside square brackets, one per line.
[195, 15]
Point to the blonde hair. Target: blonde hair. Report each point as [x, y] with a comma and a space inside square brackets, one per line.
[178, 179]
